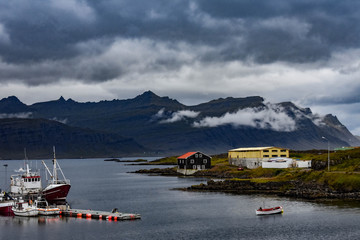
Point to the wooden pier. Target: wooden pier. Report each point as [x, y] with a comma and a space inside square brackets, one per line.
[101, 215]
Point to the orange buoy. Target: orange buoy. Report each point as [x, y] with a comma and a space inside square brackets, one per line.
[88, 215]
[79, 215]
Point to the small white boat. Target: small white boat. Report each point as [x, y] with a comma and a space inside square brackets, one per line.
[44, 209]
[269, 211]
[23, 209]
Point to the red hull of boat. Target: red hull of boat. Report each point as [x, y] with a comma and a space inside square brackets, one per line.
[57, 194]
[6, 211]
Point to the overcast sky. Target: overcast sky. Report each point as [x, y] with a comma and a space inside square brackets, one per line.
[304, 51]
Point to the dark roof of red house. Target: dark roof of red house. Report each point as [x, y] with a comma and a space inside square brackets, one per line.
[186, 155]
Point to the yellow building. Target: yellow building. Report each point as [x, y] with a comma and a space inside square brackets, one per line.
[252, 157]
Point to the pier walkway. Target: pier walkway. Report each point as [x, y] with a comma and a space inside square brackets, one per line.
[110, 216]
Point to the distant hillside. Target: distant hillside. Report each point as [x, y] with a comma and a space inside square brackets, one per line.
[169, 127]
[39, 135]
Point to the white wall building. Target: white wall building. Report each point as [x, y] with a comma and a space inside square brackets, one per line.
[303, 163]
[283, 162]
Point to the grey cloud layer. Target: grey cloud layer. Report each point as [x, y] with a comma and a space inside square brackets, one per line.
[282, 30]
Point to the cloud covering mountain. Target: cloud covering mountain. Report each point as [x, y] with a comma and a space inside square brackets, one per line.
[272, 117]
[269, 116]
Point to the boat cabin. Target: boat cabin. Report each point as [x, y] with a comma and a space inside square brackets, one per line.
[27, 183]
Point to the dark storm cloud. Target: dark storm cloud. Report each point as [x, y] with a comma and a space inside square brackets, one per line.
[42, 30]
[44, 41]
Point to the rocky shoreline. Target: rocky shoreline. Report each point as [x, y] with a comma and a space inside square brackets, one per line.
[295, 189]
[160, 171]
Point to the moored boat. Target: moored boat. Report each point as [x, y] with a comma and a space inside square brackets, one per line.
[57, 189]
[6, 204]
[44, 209]
[269, 211]
[23, 209]
[27, 182]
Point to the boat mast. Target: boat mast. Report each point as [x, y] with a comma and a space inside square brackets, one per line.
[55, 179]
[25, 162]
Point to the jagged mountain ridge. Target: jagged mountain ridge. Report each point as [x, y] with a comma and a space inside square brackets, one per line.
[169, 127]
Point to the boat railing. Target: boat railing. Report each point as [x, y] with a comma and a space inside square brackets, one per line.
[64, 181]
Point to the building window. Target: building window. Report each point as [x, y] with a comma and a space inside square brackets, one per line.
[196, 155]
[283, 150]
[274, 150]
[194, 167]
[191, 160]
[205, 161]
[266, 151]
[266, 155]
[274, 155]
[282, 155]
[200, 155]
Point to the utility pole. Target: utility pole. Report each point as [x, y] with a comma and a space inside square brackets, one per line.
[328, 152]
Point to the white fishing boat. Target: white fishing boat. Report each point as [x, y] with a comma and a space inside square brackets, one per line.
[44, 209]
[23, 209]
[57, 189]
[269, 211]
[27, 182]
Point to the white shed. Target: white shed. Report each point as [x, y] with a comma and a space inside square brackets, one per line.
[279, 162]
[303, 163]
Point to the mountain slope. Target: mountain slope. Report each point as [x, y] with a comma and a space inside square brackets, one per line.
[169, 127]
[39, 135]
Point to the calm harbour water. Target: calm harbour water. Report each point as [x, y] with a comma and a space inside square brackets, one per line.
[170, 214]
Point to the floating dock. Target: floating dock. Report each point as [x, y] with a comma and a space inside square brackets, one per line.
[101, 215]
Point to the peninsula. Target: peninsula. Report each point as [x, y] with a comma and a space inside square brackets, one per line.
[341, 182]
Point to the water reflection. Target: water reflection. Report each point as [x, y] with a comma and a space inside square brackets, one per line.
[40, 220]
[267, 218]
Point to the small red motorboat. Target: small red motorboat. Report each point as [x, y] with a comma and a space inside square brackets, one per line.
[268, 211]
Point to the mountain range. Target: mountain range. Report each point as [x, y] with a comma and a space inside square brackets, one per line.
[153, 125]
